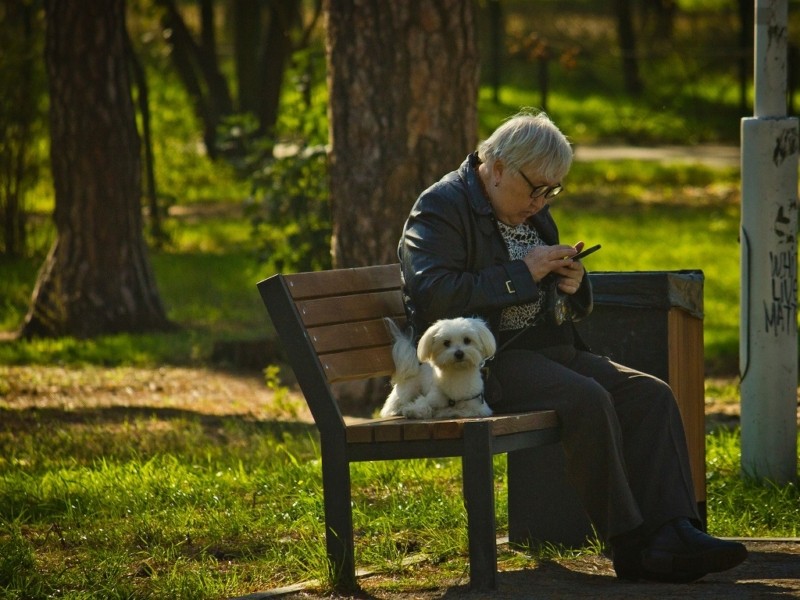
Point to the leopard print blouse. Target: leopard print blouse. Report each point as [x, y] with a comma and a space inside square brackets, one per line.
[519, 240]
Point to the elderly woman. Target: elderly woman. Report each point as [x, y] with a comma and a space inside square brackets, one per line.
[482, 242]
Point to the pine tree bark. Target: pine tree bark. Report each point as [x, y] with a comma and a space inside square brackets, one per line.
[403, 85]
[97, 277]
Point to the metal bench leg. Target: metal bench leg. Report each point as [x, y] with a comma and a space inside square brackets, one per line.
[478, 477]
[338, 516]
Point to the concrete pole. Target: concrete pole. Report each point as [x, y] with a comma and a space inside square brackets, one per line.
[768, 318]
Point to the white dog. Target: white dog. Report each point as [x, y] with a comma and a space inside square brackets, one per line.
[442, 377]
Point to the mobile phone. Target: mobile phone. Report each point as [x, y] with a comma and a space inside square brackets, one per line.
[586, 252]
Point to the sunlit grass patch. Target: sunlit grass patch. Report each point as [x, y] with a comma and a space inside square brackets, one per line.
[740, 506]
[189, 504]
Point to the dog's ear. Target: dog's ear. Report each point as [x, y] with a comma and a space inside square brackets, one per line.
[485, 337]
[425, 346]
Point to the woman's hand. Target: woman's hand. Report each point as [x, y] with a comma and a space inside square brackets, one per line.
[543, 260]
[570, 277]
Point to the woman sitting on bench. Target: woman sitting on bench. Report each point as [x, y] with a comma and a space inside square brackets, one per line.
[481, 242]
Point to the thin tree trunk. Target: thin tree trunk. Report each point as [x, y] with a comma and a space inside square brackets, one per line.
[627, 46]
[198, 69]
[744, 62]
[496, 43]
[140, 80]
[275, 57]
[15, 149]
[246, 44]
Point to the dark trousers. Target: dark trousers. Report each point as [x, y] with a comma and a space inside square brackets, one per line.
[621, 430]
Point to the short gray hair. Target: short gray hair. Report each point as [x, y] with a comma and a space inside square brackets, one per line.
[529, 139]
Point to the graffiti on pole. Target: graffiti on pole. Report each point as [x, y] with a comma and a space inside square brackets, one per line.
[781, 307]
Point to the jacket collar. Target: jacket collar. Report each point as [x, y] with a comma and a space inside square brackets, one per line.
[468, 171]
[469, 174]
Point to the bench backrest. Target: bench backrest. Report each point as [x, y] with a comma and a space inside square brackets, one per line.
[331, 325]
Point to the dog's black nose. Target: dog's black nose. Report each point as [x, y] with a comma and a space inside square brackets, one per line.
[459, 354]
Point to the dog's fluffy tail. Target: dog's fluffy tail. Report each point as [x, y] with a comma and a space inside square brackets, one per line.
[404, 354]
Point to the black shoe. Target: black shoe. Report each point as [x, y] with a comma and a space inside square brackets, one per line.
[679, 552]
[627, 562]
[626, 555]
[628, 566]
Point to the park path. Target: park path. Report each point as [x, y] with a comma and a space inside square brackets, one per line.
[713, 155]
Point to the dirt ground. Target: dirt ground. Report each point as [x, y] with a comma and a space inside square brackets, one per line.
[771, 571]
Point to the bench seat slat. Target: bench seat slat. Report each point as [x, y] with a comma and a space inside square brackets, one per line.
[396, 429]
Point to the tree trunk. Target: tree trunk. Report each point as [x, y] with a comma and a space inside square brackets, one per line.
[246, 42]
[744, 62]
[658, 19]
[143, 100]
[496, 44]
[18, 117]
[277, 50]
[403, 82]
[197, 67]
[626, 33]
[97, 277]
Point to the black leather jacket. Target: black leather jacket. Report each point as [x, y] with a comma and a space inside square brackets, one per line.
[454, 261]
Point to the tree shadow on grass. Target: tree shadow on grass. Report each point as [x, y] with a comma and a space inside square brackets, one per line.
[157, 420]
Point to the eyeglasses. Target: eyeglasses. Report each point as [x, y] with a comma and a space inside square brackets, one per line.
[542, 190]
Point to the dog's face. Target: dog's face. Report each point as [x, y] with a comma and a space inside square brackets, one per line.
[456, 343]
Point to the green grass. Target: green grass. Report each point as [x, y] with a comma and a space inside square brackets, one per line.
[739, 506]
[190, 509]
[115, 506]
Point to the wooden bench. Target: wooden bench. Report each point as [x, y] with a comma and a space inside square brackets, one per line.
[330, 324]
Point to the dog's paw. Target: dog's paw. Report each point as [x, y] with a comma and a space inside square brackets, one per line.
[417, 412]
